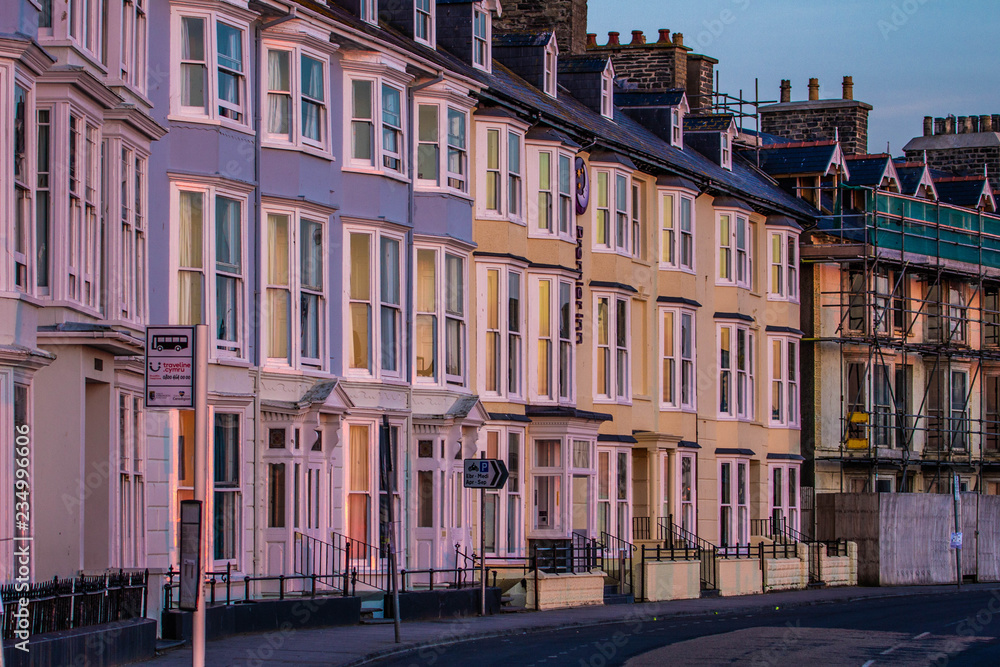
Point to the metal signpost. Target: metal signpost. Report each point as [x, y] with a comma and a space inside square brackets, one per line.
[190, 564]
[177, 378]
[389, 484]
[484, 474]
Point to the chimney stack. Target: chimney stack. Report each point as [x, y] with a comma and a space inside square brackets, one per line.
[974, 123]
[996, 122]
[986, 123]
[638, 38]
[786, 90]
[939, 126]
[664, 36]
[928, 126]
[591, 39]
[848, 87]
[949, 125]
[961, 124]
[813, 90]
[678, 39]
[613, 39]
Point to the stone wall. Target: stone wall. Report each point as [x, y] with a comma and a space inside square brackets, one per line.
[659, 66]
[561, 591]
[964, 161]
[669, 580]
[839, 570]
[739, 576]
[700, 80]
[567, 17]
[820, 121]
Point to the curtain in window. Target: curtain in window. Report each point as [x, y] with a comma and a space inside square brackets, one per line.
[279, 99]
[189, 286]
[312, 98]
[390, 312]
[228, 259]
[278, 300]
[230, 46]
[359, 498]
[392, 118]
[193, 55]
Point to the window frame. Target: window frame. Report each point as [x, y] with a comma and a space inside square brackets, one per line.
[550, 68]
[441, 376]
[556, 364]
[737, 411]
[618, 229]
[561, 203]
[427, 16]
[517, 368]
[675, 234]
[233, 17]
[237, 489]
[727, 272]
[739, 519]
[379, 81]
[482, 45]
[295, 139]
[505, 133]
[787, 268]
[678, 369]
[446, 179]
[368, 11]
[607, 91]
[622, 385]
[790, 382]
[510, 534]
[790, 504]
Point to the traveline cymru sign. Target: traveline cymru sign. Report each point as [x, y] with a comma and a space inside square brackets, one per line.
[170, 367]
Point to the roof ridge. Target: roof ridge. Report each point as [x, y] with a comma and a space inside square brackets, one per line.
[800, 144]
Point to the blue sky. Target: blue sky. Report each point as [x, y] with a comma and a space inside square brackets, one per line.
[909, 58]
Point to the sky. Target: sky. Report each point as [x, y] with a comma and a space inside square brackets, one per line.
[909, 58]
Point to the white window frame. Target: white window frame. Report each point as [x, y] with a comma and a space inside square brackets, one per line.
[210, 190]
[509, 538]
[375, 324]
[786, 267]
[234, 18]
[675, 240]
[619, 214]
[442, 316]
[295, 139]
[509, 354]
[726, 151]
[297, 216]
[614, 504]
[619, 374]
[562, 211]
[368, 10]
[683, 366]
[505, 133]
[447, 180]
[788, 384]
[427, 15]
[556, 365]
[131, 490]
[787, 511]
[687, 509]
[22, 226]
[550, 68]
[740, 395]
[482, 45]
[731, 259]
[677, 127]
[739, 505]
[638, 231]
[237, 490]
[608, 91]
[377, 125]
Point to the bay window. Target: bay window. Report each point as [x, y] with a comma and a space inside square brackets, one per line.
[211, 252]
[677, 357]
[442, 150]
[552, 349]
[737, 386]
[504, 508]
[546, 478]
[295, 288]
[502, 321]
[441, 300]
[132, 44]
[676, 231]
[501, 189]
[211, 66]
[131, 486]
[734, 502]
[613, 211]
[376, 127]
[784, 256]
[374, 303]
[295, 114]
[612, 336]
[735, 264]
[784, 497]
[22, 245]
[550, 206]
[784, 365]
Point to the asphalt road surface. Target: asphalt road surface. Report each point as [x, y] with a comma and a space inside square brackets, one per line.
[954, 629]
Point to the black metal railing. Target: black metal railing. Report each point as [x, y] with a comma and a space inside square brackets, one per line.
[675, 537]
[777, 550]
[617, 558]
[316, 557]
[568, 558]
[642, 528]
[85, 600]
[368, 563]
[836, 548]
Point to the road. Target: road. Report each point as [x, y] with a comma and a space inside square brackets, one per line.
[948, 628]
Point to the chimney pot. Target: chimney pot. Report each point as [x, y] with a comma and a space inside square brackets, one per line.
[591, 40]
[678, 39]
[638, 37]
[986, 123]
[786, 90]
[928, 126]
[949, 125]
[613, 39]
[996, 122]
[813, 89]
[664, 36]
[848, 87]
[960, 124]
[939, 126]
[974, 123]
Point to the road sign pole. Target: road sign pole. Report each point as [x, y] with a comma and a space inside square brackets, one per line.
[200, 481]
[482, 547]
[956, 489]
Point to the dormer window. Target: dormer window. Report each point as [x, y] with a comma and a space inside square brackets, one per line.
[727, 152]
[481, 39]
[423, 21]
[551, 67]
[607, 91]
[676, 128]
[369, 11]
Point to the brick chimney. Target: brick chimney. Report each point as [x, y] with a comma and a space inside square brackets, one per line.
[813, 90]
[949, 125]
[660, 65]
[848, 87]
[786, 90]
[568, 18]
[986, 123]
[928, 126]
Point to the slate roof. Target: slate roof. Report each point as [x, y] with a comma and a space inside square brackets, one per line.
[713, 123]
[649, 98]
[803, 157]
[910, 174]
[961, 190]
[522, 39]
[867, 170]
[765, 138]
[581, 64]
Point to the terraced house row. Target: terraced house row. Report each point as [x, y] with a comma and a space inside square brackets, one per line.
[470, 220]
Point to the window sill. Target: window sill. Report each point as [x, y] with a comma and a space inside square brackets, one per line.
[677, 269]
[303, 148]
[554, 236]
[785, 427]
[438, 190]
[371, 171]
[502, 218]
[612, 401]
[207, 120]
[604, 250]
[234, 362]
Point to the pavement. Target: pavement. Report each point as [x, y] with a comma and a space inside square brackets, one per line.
[362, 644]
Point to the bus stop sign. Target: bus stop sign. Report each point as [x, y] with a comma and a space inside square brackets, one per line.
[170, 367]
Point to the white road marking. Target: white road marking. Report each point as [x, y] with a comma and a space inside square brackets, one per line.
[922, 635]
[868, 664]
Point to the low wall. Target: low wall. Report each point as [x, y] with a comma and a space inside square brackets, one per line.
[107, 645]
[839, 570]
[739, 576]
[787, 574]
[443, 604]
[669, 580]
[265, 616]
[560, 591]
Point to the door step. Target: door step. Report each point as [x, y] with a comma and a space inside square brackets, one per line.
[710, 592]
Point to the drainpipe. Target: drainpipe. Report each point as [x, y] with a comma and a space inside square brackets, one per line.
[257, 152]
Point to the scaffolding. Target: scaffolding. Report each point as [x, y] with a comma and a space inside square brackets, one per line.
[914, 322]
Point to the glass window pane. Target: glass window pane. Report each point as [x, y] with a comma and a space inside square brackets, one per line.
[311, 254]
